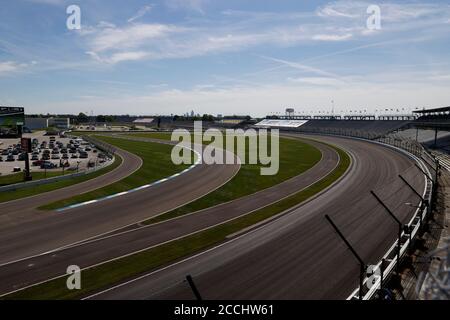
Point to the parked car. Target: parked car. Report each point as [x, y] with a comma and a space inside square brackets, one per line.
[22, 157]
[34, 157]
[74, 156]
[5, 152]
[55, 157]
[83, 155]
[10, 158]
[65, 156]
[1, 159]
[48, 165]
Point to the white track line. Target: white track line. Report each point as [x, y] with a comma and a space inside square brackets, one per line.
[199, 160]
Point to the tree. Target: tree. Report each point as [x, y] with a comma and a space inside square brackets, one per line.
[82, 118]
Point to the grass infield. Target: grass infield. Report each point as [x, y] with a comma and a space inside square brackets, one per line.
[295, 158]
[156, 165]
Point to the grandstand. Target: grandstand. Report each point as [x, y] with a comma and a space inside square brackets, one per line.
[363, 128]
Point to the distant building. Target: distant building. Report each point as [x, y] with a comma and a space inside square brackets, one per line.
[36, 123]
[143, 121]
[59, 123]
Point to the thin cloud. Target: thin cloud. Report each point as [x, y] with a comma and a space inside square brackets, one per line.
[142, 12]
[332, 37]
[9, 67]
[303, 67]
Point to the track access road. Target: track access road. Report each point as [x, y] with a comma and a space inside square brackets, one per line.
[299, 255]
[18, 211]
[28, 271]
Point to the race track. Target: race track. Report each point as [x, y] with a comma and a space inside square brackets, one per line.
[44, 266]
[299, 256]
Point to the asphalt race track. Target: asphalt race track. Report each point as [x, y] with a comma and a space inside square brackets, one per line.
[47, 231]
[45, 266]
[299, 256]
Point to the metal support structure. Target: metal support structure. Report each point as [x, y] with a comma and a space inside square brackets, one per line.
[193, 287]
[429, 164]
[362, 265]
[414, 190]
[424, 201]
[426, 174]
[436, 172]
[435, 137]
[400, 227]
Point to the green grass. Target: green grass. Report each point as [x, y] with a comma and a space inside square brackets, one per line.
[156, 165]
[18, 177]
[32, 191]
[153, 135]
[102, 276]
[295, 158]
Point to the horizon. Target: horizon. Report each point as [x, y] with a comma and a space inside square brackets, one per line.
[216, 57]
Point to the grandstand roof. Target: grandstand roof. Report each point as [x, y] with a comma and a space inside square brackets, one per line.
[281, 123]
[444, 109]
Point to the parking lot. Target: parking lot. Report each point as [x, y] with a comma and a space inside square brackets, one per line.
[50, 153]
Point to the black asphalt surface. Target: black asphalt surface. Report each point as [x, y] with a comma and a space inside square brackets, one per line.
[26, 231]
[28, 271]
[299, 255]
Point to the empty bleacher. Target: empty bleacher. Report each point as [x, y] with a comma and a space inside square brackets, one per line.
[371, 129]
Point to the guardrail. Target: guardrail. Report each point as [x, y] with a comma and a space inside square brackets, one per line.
[374, 282]
[380, 272]
[28, 184]
[105, 147]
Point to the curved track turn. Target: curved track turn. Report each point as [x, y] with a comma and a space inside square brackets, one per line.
[299, 256]
[32, 232]
[41, 267]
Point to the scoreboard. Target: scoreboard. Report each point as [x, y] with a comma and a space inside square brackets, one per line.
[10, 119]
[11, 116]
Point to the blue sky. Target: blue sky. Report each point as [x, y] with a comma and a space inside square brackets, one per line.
[223, 57]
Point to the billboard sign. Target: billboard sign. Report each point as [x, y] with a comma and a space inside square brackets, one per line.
[11, 116]
[10, 120]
